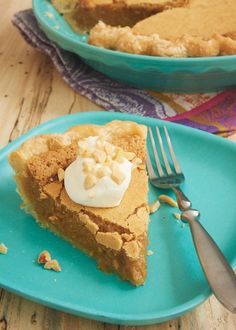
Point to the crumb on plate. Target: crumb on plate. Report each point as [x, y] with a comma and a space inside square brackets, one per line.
[3, 248]
[53, 264]
[177, 215]
[154, 206]
[167, 199]
[43, 257]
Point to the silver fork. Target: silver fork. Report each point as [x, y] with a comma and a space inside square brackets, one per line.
[218, 271]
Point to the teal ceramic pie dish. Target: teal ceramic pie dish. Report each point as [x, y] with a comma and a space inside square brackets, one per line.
[175, 283]
[164, 74]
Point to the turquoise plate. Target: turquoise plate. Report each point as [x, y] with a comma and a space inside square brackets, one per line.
[175, 282]
[180, 75]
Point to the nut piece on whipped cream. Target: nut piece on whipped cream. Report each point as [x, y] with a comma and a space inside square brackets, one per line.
[90, 181]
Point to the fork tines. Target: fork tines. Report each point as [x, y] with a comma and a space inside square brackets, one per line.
[163, 154]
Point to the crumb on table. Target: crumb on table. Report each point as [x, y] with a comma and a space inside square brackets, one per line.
[3, 248]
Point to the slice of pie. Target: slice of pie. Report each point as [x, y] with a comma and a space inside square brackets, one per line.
[87, 13]
[44, 173]
[201, 28]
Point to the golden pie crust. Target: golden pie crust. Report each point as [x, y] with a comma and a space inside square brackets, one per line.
[116, 237]
[199, 28]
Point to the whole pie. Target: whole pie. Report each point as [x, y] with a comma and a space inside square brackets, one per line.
[198, 28]
[76, 206]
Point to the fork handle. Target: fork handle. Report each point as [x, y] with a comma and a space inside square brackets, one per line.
[218, 271]
[183, 201]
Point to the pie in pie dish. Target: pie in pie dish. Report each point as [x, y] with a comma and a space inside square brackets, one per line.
[199, 28]
[114, 234]
[84, 14]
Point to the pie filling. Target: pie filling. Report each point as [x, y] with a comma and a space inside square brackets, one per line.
[116, 236]
[82, 15]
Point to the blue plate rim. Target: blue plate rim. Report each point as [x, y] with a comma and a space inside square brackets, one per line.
[126, 319]
[113, 318]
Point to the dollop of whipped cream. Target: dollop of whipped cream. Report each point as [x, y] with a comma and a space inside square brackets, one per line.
[100, 175]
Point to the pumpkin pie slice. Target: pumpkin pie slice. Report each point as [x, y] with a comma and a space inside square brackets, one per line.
[71, 204]
[201, 28]
[87, 13]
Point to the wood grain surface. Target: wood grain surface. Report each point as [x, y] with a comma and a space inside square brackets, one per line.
[31, 92]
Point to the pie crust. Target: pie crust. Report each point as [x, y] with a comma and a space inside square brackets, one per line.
[116, 237]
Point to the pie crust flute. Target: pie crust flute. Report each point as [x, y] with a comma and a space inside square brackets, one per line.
[116, 237]
[123, 39]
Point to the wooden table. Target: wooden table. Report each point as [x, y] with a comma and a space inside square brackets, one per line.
[31, 92]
